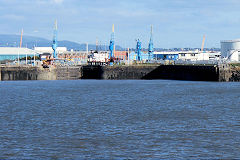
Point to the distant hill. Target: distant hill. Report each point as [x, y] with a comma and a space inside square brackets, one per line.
[30, 42]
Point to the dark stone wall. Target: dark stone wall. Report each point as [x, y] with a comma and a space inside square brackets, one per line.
[184, 72]
[126, 72]
[39, 73]
[225, 73]
[92, 72]
[174, 72]
[235, 76]
[116, 72]
[222, 73]
[18, 73]
[68, 73]
[232, 73]
[229, 73]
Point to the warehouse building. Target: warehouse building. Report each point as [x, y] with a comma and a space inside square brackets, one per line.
[49, 50]
[13, 53]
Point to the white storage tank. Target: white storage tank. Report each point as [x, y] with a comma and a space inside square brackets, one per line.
[230, 49]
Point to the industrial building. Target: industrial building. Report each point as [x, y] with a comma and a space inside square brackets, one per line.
[215, 56]
[13, 53]
[49, 50]
[123, 55]
[78, 57]
[101, 56]
[166, 55]
[143, 56]
[194, 56]
[230, 50]
[182, 55]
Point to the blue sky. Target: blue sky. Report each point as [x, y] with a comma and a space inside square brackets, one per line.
[177, 23]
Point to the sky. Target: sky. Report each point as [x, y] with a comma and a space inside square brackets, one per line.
[176, 23]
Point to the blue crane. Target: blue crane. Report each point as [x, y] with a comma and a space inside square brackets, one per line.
[150, 46]
[55, 43]
[138, 50]
[112, 44]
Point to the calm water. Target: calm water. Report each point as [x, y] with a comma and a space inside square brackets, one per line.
[119, 119]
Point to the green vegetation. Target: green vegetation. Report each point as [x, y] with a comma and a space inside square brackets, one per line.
[30, 58]
[234, 64]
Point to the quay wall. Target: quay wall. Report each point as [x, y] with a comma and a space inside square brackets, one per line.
[222, 73]
[39, 73]
[68, 73]
[174, 72]
[19, 73]
[116, 72]
[229, 73]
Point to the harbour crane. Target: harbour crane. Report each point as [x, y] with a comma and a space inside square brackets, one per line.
[150, 46]
[55, 43]
[203, 43]
[138, 50]
[21, 39]
[112, 44]
[96, 44]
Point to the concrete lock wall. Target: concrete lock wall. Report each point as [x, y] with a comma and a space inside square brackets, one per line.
[175, 72]
[36, 73]
[18, 73]
[127, 72]
[172, 72]
[68, 73]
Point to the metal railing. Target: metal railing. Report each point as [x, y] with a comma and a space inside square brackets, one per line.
[202, 62]
[126, 62]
